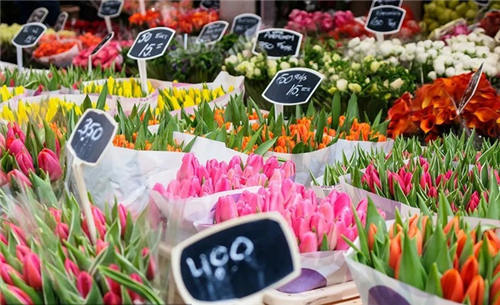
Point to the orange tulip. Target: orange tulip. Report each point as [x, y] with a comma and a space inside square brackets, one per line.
[452, 286]
[469, 270]
[475, 292]
[395, 250]
[452, 223]
[494, 291]
[497, 269]
[371, 235]
[461, 239]
[493, 240]
[476, 248]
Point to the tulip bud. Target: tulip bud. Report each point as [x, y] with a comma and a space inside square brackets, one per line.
[31, 271]
[16, 146]
[225, 209]
[21, 296]
[3, 178]
[25, 162]
[134, 296]
[22, 251]
[19, 177]
[308, 243]
[151, 272]
[5, 272]
[122, 212]
[84, 283]
[113, 286]
[62, 230]
[49, 163]
[71, 267]
[56, 213]
[100, 245]
[111, 298]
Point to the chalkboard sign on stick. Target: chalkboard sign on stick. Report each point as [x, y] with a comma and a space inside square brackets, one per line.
[470, 89]
[237, 259]
[151, 43]
[210, 4]
[246, 25]
[292, 86]
[376, 3]
[102, 43]
[61, 21]
[110, 8]
[212, 32]
[91, 136]
[38, 15]
[277, 43]
[29, 35]
[385, 19]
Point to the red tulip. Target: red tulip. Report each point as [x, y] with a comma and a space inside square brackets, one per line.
[113, 286]
[25, 162]
[111, 298]
[151, 272]
[15, 146]
[49, 163]
[71, 267]
[22, 251]
[84, 283]
[56, 213]
[62, 230]
[123, 212]
[31, 271]
[19, 177]
[21, 296]
[134, 296]
[5, 271]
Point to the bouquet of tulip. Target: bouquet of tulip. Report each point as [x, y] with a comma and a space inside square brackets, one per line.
[310, 22]
[189, 21]
[318, 224]
[109, 56]
[465, 270]
[6, 93]
[53, 47]
[196, 180]
[125, 88]
[346, 26]
[150, 19]
[176, 98]
[47, 256]
[411, 115]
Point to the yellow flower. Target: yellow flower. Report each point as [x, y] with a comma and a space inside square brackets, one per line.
[111, 85]
[188, 102]
[161, 102]
[7, 114]
[22, 114]
[174, 103]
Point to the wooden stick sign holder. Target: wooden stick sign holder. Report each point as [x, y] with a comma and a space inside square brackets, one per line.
[231, 263]
[149, 44]
[96, 50]
[28, 36]
[90, 138]
[290, 87]
[110, 9]
[384, 19]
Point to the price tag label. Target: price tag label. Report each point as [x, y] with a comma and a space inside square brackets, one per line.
[277, 43]
[212, 32]
[38, 15]
[376, 3]
[385, 19]
[292, 86]
[110, 8]
[151, 43]
[237, 259]
[29, 35]
[483, 2]
[246, 25]
[103, 42]
[61, 21]
[210, 4]
[92, 136]
[470, 89]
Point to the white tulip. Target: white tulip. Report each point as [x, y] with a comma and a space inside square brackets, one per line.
[341, 84]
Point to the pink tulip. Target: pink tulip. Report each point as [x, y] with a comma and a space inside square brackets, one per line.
[3, 239]
[225, 209]
[71, 267]
[151, 271]
[6, 270]
[19, 233]
[14, 131]
[188, 167]
[122, 212]
[31, 271]
[2, 142]
[19, 177]
[84, 283]
[100, 246]
[112, 298]
[270, 165]
[288, 169]
[21, 297]
[16, 146]
[308, 243]
[222, 185]
[114, 286]
[300, 226]
[62, 230]
[473, 202]
[56, 213]
[49, 163]
[319, 225]
[255, 161]
[134, 296]
[22, 251]
[3, 178]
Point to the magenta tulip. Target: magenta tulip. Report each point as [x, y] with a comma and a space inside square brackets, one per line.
[21, 296]
[84, 283]
[71, 267]
[31, 271]
[111, 298]
[16, 146]
[49, 163]
[100, 246]
[134, 296]
[225, 209]
[113, 286]
[151, 271]
[308, 243]
[122, 212]
[6, 270]
[62, 230]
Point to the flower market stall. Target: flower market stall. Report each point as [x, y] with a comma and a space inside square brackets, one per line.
[250, 152]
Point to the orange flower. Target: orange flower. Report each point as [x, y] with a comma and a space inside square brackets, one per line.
[469, 270]
[452, 286]
[475, 292]
[495, 291]
[371, 235]
[395, 250]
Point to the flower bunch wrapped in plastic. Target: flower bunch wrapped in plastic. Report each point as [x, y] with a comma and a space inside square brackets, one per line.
[318, 224]
[196, 180]
[176, 98]
[109, 56]
[8, 93]
[310, 22]
[125, 88]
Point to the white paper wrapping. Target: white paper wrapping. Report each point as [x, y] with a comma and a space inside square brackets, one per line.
[60, 60]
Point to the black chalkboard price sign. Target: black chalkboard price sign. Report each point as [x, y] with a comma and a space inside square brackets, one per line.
[38, 15]
[29, 35]
[246, 25]
[110, 8]
[210, 4]
[277, 43]
[212, 32]
[292, 86]
[103, 42]
[470, 89]
[385, 19]
[237, 259]
[397, 3]
[92, 135]
[61, 21]
[151, 43]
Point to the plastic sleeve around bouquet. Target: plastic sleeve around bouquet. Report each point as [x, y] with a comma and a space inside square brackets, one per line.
[223, 79]
[313, 163]
[377, 288]
[73, 98]
[60, 60]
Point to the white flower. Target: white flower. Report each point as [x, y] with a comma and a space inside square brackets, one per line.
[432, 75]
[355, 66]
[386, 83]
[438, 44]
[393, 60]
[284, 65]
[353, 42]
[317, 48]
[232, 59]
[427, 44]
[246, 53]
[439, 67]
[397, 83]
[367, 80]
[432, 53]
[421, 57]
[294, 61]
[450, 71]
[354, 87]
[341, 84]
[334, 77]
[256, 72]
[374, 66]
